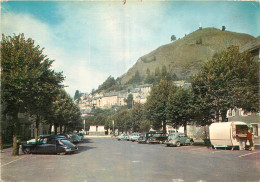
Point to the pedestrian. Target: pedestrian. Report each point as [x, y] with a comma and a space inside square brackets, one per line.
[249, 137]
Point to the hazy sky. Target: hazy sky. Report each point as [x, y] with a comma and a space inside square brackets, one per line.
[91, 40]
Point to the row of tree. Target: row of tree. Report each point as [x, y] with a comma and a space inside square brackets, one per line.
[227, 81]
[30, 85]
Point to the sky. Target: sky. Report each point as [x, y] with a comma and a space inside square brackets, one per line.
[92, 40]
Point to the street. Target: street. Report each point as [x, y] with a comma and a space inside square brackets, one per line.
[109, 160]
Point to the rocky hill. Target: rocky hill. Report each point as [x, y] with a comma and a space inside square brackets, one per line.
[185, 56]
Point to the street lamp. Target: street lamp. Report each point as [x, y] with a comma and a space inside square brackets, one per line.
[113, 127]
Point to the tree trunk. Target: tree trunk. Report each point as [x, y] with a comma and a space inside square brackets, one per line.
[55, 128]
[15, 146]
[36, 127]
[60, 129]
[50, 128]
[223, 116]
[164, 126]
[217, 116]
[185, 127]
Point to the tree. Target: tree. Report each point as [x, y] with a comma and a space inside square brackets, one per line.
[136, 79]
[77, 95]
[145, 125]
[173, 38]
[156, 105]
[108, 84]
[27, 80]
[129, 101]
[149, 78]
[64, 113]
[137, 116]
[180, 106]
[122, 120]
[223, 28]
[227, 81]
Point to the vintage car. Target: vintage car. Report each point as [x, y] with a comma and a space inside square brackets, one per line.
[144, 137]
[178, 139]
[74, 138]
[134, 137]
[50, 145]
[158, 138]
[121, 136]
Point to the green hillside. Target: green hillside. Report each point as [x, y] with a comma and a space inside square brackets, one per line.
[185, 56]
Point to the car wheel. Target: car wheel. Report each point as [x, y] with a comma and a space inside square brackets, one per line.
[167, 145]
[178, 144]
[27, 150]
[191, 142]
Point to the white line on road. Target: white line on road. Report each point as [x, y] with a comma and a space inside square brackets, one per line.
[177, 180]
[135, 161]
[12, 161]
[248, 154]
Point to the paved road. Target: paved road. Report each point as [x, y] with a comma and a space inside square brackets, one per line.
[109, 160]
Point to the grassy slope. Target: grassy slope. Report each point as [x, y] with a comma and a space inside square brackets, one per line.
[184, 57]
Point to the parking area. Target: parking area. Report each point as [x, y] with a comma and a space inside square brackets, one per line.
[106, 159]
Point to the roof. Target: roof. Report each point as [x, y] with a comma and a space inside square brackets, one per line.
[252, 45]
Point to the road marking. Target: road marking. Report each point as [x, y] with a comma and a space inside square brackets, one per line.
[12, 161]
[200, 148]
[248, 154]
[216, 151]
[177, 180]
[135, 161]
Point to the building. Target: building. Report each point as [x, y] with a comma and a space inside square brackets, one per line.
[97, 130]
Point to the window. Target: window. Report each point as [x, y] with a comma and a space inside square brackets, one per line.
[51, 142]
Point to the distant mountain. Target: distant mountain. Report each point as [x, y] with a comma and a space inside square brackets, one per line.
[185, 56]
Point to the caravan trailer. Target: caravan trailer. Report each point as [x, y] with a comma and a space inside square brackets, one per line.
[228, 134]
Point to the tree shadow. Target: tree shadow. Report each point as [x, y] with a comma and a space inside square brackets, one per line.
[82, 148]
[86, 140]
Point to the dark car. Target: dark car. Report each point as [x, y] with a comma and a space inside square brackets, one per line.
[158, 138]
[74, 138]
[50, 145]
[144, 137]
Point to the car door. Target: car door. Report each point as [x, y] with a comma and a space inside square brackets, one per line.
[51, 146]
[40, 146]
[182, 138]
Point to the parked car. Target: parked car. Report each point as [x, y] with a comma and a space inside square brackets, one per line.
[178, 139]
[74, 138]
[50, 145]
[144, 137]
[32, 141]
[126, 137]
[134, 137]
[121, 136]
[158, 138]
[80, 135]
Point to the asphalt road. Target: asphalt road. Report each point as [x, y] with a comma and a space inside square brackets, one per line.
[109, 160]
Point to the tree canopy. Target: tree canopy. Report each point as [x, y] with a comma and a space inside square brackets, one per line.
[28, 82]
[227, 81]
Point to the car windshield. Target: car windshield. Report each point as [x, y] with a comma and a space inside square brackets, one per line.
[43, 140]
[173, 135]
[75, 136]
[66, 142]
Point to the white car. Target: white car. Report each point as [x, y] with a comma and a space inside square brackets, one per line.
[121, 136]
[134, 137]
